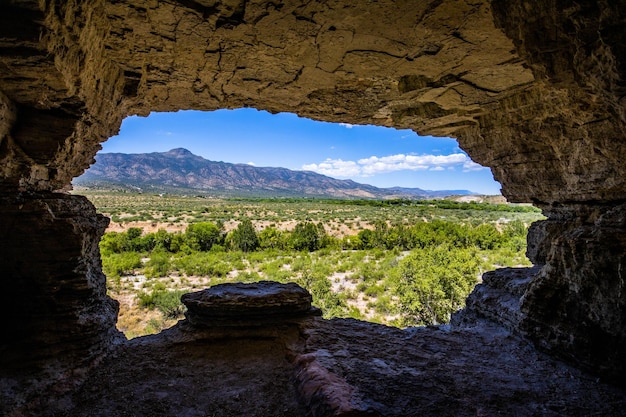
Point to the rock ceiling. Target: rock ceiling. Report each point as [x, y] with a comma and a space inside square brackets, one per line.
[521, 96]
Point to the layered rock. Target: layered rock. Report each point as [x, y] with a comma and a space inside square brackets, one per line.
[576, 306]
[429, 67]
[263, 310]
[496, 299]
[546, 99]
[572, 303]
[56, 317]
[257, 304]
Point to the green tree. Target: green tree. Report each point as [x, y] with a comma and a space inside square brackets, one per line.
[308, 236]
[158, 265]
[486, 236]
[434, 282]
[381, 231]
[112, 242]
[515, 234]
[179, 243]
[244, 237]
[202, 236]
[515, 228]
[162, 240]
[271, 238]
[366, 239]
[135, 241]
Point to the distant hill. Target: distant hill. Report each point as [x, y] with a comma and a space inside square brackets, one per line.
[181, 172]
[418, 192]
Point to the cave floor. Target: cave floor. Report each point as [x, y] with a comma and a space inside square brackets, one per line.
[374, 369]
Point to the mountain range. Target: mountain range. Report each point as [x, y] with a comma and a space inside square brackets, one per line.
[179, 171]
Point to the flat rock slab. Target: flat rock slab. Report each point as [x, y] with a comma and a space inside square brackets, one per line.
[347, 368]
[259, 301]
[339, 367]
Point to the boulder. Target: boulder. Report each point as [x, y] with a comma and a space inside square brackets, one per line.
[258, 303]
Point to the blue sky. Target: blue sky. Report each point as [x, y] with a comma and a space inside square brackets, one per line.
[374, 155]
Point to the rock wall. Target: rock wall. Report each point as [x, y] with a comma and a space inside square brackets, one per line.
[576, 306]
[57, 320]
[534, 89]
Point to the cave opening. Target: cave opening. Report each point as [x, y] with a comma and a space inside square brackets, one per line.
[175, 229]
[531, 89]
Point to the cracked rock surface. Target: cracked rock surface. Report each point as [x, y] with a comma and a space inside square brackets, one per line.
[337, 368]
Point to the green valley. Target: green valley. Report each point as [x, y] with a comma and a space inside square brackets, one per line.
[397, 262]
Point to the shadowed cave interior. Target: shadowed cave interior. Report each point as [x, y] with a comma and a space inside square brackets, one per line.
[535, 90]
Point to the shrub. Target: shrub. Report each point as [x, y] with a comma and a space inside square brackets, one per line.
[202, 236]
[332, 304]
[111, 242]
[245, 276]
[168, 302]
[117, 264]
[434, 282]
[374, 290]
[486, 236]
[202, 264]
[162, 240]
[272, 238]
[158, 265]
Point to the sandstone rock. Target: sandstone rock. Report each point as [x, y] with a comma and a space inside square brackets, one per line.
[230, 304]
[56, 317]
[576, 306]
[484, 370]
[573, 303]
[532, 89]
[496, 299]
[338, 367]
[325, 393]
[429, 67]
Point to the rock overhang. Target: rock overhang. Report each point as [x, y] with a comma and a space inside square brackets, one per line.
[434, 68]
[520, 98]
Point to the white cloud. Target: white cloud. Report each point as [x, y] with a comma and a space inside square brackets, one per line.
[335, 168]
[470, 165]
[346, 125]
[384, 164]
[252, 163]
[400, 162]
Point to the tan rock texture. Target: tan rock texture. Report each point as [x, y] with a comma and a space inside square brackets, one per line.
[432, 66]
[534, 89]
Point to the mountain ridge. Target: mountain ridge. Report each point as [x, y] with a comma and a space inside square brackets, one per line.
[180, 171]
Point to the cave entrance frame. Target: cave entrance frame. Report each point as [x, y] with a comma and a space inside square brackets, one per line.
[549, 124]
[201, 130]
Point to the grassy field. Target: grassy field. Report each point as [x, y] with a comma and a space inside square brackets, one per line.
[400, 263]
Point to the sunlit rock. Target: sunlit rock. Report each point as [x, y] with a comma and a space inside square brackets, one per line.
[247, 304]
